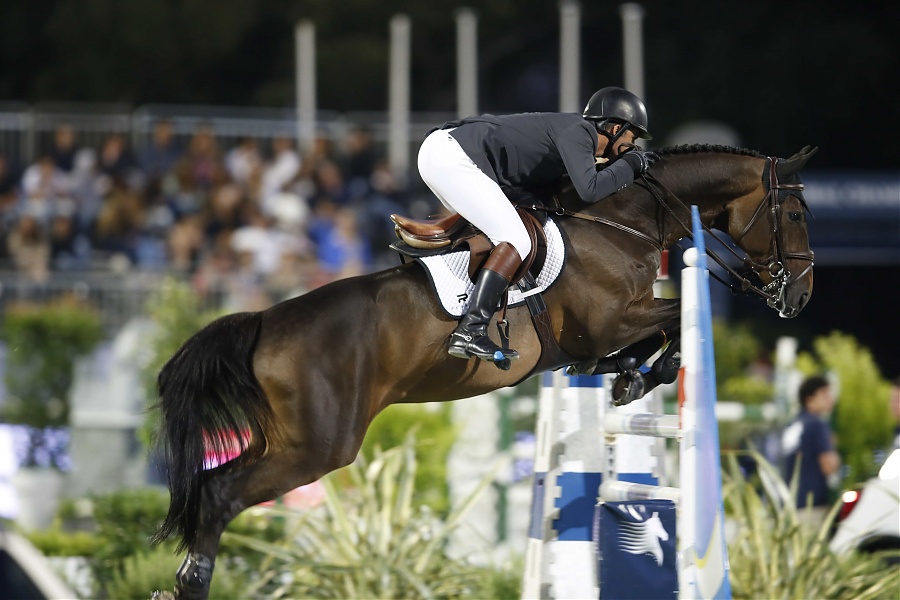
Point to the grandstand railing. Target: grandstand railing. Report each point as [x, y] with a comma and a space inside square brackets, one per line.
[26, 130]
[117, 297]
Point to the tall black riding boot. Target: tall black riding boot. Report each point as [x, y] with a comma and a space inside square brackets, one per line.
[470, 338]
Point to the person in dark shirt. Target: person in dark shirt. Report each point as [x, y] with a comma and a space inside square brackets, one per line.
[64, 149]
[808, 445]
[465, 163]
[162, 153]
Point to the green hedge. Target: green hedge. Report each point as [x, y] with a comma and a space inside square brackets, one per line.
[43, 341]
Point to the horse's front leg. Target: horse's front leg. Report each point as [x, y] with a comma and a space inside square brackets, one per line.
[646, 327]
[633, 383]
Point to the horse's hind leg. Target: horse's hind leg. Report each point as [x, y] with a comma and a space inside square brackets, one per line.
[226, 493]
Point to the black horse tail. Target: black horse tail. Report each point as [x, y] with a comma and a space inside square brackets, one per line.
[212, 406]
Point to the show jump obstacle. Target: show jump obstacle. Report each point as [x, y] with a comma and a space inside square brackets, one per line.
[624, 546]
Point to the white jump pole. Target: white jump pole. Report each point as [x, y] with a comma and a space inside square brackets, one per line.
[575, 415]
[704, 554]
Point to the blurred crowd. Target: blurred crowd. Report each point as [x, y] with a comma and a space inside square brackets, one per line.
[260, 212]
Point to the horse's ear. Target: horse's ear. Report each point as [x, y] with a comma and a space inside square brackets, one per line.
[796, 162]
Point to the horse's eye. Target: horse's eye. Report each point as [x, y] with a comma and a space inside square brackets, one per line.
[795, 217]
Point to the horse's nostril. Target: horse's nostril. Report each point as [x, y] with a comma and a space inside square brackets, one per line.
[804, 298]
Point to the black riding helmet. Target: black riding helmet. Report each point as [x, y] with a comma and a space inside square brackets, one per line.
[618, 105]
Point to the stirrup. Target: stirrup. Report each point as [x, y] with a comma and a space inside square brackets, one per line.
[465, 347]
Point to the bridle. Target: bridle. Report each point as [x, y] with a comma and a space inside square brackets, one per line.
[774, 264]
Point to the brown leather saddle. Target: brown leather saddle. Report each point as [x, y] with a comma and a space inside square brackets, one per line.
[452, 233]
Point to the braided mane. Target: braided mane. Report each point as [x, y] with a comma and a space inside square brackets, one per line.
[696, 148]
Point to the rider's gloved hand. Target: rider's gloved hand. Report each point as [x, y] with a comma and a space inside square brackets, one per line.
[639, 160]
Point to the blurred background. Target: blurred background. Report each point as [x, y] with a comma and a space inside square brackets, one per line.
[162, 162]
[220, 82]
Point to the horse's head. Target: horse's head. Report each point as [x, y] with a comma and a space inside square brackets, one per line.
[770, 225]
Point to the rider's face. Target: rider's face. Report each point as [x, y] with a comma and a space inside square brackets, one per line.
[628, 138]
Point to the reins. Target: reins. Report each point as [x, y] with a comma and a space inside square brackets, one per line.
[564, 212]
[775, 264]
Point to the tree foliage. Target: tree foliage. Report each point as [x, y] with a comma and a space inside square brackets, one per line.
[773, 554]
[736, 349]
[43, 341]
[178, 313]
[371, 540]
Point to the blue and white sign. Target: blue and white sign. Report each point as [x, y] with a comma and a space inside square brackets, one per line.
[637, 551]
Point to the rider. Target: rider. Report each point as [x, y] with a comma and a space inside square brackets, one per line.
[466, 162]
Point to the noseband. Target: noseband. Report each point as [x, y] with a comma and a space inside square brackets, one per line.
[774, 264]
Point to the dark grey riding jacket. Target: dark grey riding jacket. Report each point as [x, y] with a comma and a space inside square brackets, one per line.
[532, 149]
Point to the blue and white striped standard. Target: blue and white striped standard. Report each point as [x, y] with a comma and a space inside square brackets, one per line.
[704, 554]
[560, 561]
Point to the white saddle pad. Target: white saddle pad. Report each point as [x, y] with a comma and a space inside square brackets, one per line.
[450, 274]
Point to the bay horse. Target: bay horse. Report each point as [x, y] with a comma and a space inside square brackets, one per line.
[307, 376]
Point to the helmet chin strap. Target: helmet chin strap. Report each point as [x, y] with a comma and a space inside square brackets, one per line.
[612, 139]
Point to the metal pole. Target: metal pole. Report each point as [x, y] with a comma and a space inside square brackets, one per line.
[398, 96]
[305, 42]
[466, 62]
[569, 55]
[632, 47]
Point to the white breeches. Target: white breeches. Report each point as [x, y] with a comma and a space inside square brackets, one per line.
[463, 188]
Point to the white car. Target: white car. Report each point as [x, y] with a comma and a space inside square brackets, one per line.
[869, 518]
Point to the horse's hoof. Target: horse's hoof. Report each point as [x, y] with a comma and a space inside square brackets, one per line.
[628, 387]
[182, 593]
[158, 595]
[193, 577]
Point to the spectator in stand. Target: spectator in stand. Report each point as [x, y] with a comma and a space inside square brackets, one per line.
[321, 149]
[244, 161]
[29, 248]
[117, 226]
[116, 160]
[88, 187]
[44, 184]
[279, 171]
[63, 148]
[384, 199]
[9, 179]
[263, 241]
[163, 152]
[9, 201]
[69, 249]
[202, 166]
[226, 212]
[359, 161]
[329, 184]
[342, 251]
[186, 243]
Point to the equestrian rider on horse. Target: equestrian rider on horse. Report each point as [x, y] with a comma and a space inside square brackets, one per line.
[465, 163]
